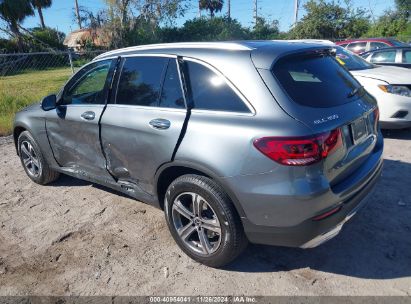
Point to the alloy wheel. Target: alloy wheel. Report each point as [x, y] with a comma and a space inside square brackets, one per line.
[196, 223]
[30, 159]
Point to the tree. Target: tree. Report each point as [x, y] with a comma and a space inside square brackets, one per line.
[213, 6]
[393, 22]
[39, 5]
[214, 29]
[330, 20]
[161, 11]
[403, 5]
[264, 30]
[13, 12]
[120, 9]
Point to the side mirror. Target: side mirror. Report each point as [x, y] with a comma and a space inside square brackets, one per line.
[49, 102]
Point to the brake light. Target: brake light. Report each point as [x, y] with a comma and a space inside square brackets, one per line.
[376, 118]
[299, 151]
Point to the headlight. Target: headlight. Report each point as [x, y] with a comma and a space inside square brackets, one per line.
[395, 89]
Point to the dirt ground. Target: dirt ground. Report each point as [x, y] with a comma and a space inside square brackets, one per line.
[76, 238]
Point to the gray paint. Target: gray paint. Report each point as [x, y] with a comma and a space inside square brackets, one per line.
[122, 150]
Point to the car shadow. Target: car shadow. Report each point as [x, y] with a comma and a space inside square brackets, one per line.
[69, 181]
[375, 244]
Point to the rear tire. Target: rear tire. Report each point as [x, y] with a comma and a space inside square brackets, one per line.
[203, 221]
[33, 161]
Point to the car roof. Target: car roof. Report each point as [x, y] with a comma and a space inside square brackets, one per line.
[263, 52]
[365, 40]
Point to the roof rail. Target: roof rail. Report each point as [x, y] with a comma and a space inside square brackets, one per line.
[230, 46]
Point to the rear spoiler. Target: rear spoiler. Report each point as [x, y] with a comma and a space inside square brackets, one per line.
[265, 58]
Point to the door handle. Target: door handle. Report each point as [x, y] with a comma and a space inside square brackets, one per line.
[88, 115]
[160, 123]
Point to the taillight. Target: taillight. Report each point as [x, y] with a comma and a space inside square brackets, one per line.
[299, 151]
[376, 118]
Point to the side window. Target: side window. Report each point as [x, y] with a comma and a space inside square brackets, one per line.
[377, 45]
[87, 86]
[171, 93]
[140, 81]
[384, 57]
[211, 91]
[406, 57]
[344, 45]
[357, 47]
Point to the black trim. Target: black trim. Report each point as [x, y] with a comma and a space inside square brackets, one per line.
[183, 72]
[112, 74]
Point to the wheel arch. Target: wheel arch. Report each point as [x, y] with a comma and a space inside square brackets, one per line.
[17, 130]
[170, 171]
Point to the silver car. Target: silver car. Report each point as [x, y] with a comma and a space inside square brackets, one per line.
[268, 142]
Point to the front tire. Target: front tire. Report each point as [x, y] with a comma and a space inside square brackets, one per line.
[203, 220]
[33, 161]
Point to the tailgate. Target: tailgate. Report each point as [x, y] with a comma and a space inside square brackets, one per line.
[315, 90]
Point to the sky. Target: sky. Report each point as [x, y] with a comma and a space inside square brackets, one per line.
[60, 14]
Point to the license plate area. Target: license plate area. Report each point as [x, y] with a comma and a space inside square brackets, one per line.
[359, 130]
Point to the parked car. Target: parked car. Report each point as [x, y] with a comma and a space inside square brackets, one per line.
[368, 44]
[269, 142]
[391, 86]
[395, 56]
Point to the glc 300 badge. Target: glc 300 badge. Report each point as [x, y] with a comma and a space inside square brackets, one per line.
[326, 119]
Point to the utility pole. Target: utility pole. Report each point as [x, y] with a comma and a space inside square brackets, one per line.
[229, 9]
[199, 9]
[78, 14]
[296, 7]
[255, 12]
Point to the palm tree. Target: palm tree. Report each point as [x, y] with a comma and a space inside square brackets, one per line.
[39, 5]
[14, 12]
[214, 6]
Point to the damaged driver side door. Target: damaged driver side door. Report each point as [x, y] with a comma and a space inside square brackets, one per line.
[73, 127]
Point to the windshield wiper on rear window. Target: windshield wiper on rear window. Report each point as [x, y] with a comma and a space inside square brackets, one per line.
[354, 92]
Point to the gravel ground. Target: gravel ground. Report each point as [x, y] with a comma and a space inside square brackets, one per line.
[77, 238]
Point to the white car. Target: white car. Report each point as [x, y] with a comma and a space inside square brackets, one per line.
[391, 86]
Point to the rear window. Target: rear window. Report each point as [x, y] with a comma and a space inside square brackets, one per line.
[315, 81]
[211, 91]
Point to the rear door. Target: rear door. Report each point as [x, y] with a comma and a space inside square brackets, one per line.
[314, 89]
[73, 127]
[142, 125]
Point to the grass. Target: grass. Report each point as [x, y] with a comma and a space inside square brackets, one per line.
[19, 91]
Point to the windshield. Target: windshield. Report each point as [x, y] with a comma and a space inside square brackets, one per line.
[351, 61]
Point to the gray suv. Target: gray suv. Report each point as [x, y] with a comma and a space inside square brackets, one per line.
[268, 142]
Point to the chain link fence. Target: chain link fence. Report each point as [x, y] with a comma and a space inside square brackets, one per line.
[14, 64]
[26, 78]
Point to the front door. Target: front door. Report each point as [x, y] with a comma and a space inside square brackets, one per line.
[141, 128]
[73, 127]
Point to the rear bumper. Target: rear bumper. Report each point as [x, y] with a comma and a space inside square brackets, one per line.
[395, 124]
[311, 233]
